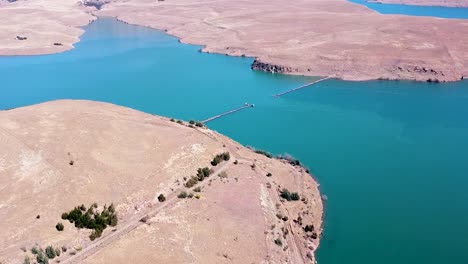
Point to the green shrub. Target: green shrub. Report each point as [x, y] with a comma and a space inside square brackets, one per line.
[161, 198]
[179, 122]
[191, 182]
[199, 124]
[220, 157]
[190, 195]
[50, 252]
[27, 260]
[35, 250]
[285, 194]
[197, 189]
[269, 174]
[203, 173]
[182, 195]
[295, 196]
[59, 226]
[41, 258]
[191, 122]
[172, 120]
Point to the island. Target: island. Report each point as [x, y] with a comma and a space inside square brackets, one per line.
[92, 182]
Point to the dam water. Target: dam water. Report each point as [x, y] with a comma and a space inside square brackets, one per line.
[392, 157]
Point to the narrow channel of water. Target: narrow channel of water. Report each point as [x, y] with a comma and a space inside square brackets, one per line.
[391, 156]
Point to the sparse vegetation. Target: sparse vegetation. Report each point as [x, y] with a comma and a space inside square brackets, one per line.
[220, 157]
[182, 195]
[27, 260]
[197, 189]
[161, 198]
[191, 182]
[59, 226]
[92, 219]
[203, 173]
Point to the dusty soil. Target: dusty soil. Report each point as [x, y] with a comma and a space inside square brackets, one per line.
[449, 3]
[309, 37]
[129, 158]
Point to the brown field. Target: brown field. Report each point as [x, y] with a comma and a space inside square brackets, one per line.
[128, 158]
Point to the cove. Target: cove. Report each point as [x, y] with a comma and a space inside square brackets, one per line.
[413, 10]
[392, 157]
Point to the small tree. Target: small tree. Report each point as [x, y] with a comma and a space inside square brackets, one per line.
[295, 196]
[161, 198]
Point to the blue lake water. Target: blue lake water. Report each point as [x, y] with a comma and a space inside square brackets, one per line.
[391, 156]
[433, 11]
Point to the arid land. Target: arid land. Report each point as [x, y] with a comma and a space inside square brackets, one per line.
[62, 154]
[310, 37]
[448, 3]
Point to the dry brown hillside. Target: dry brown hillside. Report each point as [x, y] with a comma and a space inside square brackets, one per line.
[61, 154]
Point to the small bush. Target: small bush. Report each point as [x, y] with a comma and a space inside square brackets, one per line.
[27, 260]
[265, 153]
[191, 182]
[285, 194]
[59, 226]
[172, 120]
[278, 242]
[295, 196]
[190, 195]
[58, 252]
[41, 258]
[269, 174]
[161, 198]
[203, 173]
[199, 124]
[236, 162]
[192, 122]
[223, 175]
[64, 249]
[191, 126]
[309, 228]
[35, 250]
[220, 157]
[182, 195]
[197, 189]
[50, 252]
[179, 122]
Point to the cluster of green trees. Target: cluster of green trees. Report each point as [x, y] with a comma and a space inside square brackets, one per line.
[42, 257]
[289, 196]
[220, 158]
[92, 219]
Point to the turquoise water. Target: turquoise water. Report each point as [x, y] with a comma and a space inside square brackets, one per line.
[433, 11]
[391, 156]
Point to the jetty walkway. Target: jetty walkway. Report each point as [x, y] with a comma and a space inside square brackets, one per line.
[301, 87]
[246, 105]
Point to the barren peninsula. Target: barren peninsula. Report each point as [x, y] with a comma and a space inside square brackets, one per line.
[333, 38]
[85, 155]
